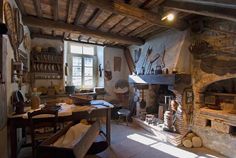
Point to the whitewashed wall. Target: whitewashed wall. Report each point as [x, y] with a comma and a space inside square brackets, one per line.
[10, 87]
[109, 54]
[177, 55]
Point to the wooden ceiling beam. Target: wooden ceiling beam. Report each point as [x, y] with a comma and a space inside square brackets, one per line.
[218, 3]
[201, 8]
[69, 11]
[38, 35]
[37, 7]
[64, 27]
[134, 12]
[55, 9]
[21, 7]
[93, 17]
[80, 11]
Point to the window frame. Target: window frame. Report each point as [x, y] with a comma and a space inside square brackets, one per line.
[70, 56]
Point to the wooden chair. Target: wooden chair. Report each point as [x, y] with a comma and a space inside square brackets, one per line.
[43, 123]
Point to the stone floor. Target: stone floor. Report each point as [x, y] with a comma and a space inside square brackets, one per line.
[134, 142]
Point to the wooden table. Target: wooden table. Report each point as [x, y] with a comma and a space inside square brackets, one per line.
[98, 108]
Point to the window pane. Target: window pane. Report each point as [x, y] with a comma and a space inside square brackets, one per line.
[77, 61]
[88, 61]
[88, 71]
[88, 81]
[88, 50]
[76, 81]
[76, 71]
[76, 49]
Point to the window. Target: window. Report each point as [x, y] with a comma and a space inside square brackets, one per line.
[81, 60]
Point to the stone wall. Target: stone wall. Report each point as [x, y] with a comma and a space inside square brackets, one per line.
[214, 61]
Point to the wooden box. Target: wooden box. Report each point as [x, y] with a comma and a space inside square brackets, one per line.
[79, 150]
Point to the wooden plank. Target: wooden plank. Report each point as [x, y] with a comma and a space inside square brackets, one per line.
[136, 13]
[202, 9]
[105, 21]
[55, 9]
[80, 12]
[69, 11]
[21, 7]
[37, 7]
[133, 22]
[140, 29]
[93, 17]
[63, 27]
[129, 60]
[117, 23]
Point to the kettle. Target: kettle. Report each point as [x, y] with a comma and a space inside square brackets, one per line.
[158, 70]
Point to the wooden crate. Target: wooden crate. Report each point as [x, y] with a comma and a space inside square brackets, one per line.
[46, 150]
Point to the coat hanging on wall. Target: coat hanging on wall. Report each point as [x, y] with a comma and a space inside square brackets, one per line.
[117, 63]
[108, 72]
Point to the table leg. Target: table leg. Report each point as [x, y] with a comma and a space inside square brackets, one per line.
[108, 126]
[13, 138]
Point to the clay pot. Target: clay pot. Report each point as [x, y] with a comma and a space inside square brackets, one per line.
[35, 101]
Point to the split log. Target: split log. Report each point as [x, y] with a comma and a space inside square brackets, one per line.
[197, 142]
[187, 143]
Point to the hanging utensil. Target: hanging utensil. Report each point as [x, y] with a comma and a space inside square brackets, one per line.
[143, 102]
[149, 51]
[152, 59]
[137, 54]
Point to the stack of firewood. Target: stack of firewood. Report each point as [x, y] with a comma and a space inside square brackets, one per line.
[191, 140]
[168, 121]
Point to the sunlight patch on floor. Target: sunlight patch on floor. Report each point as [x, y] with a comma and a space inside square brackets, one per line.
[141, 139]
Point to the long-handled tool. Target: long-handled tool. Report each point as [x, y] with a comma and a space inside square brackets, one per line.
[152, 60]
[149, 51]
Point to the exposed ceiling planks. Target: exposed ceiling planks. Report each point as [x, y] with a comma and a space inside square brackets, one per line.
[117, 21]
[80, 12]
[93, 17]
[134, 12]
[59, 26]
[55, 9]
[69, 10]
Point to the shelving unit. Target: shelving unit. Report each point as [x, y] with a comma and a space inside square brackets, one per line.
[226, 95]
[47, 65]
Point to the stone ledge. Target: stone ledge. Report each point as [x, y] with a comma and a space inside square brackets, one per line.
[173, 138]
[228, 118]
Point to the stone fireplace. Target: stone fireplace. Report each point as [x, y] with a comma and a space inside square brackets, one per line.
[213, 120]
[157, 95]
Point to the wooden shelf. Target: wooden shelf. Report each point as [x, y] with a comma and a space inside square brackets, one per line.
[47, 65]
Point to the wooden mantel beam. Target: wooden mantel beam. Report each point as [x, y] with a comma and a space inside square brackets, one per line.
[43, 23]
[211, 8]
[124, 9]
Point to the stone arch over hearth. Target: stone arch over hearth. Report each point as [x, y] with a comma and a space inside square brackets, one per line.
[201, 84]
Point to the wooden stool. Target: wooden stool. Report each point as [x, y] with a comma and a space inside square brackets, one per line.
[124, 112]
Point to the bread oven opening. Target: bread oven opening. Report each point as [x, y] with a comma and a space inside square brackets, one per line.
[215, 112]
[221, 95]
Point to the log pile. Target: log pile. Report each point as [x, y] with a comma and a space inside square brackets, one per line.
[191, 140]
